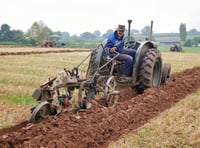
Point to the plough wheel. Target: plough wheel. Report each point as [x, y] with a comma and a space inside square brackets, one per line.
[166, 73]
[111, 93]
[40, 112]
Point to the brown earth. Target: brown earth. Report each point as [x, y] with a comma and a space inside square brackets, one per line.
[98, 126]
[39, 52]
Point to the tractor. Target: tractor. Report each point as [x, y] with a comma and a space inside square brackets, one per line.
[176, 48]
[47, 43]
[102, 76]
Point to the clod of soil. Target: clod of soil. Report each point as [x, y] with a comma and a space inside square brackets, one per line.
[98, 126]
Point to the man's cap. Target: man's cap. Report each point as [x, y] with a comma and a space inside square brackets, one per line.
[121, 27]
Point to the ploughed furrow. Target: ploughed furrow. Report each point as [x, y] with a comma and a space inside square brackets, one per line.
[98, 126]
[39, 52]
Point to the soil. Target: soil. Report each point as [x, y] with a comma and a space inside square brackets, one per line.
[98, 126]
[39, 52]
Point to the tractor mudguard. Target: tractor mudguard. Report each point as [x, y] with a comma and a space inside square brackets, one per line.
[142, 48]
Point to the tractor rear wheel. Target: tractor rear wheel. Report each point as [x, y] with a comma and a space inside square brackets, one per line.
[150, 70]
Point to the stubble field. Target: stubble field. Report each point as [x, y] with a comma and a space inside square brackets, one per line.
[178, 126]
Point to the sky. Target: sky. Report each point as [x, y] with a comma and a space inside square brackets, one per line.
[78, 16]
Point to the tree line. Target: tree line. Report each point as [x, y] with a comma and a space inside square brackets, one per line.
[39, 32]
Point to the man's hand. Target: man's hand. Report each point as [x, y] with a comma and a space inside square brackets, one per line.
[113, 49]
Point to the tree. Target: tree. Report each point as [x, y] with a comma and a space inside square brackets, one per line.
[183, 32]
[18, 36]
[135, 31]
[5, 34]
[146, 31]
[196, 41]
[74, 38]
[193, 31]
[109, 32]
[55, 36]
[65, 36]
[38, 32]
[97, 34]
[87, 36]
[188, 43]
[5, 28]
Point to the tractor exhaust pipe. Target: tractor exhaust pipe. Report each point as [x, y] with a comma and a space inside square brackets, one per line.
[151, 31]
[129, 29]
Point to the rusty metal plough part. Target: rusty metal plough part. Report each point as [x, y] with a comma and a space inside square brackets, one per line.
[61, 89]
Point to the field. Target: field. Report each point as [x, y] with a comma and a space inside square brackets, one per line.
[178, 126]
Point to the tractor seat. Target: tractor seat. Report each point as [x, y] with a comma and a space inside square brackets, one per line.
[116, 64]
[119, 62]
[107, 58]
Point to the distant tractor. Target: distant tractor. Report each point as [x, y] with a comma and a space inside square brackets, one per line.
[176, 48]
[47, 43]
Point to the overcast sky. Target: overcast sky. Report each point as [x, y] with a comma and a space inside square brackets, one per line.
[78, 16]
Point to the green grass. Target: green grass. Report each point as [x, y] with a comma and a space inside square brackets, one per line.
[21, 100]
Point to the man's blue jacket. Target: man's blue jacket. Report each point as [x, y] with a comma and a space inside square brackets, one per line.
[113, 41]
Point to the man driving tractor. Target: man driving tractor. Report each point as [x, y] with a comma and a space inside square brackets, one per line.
[115, 43]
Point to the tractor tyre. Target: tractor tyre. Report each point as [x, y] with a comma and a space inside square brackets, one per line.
[150, 70]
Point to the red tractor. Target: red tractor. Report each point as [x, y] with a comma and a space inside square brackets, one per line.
[47, 43]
